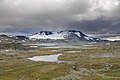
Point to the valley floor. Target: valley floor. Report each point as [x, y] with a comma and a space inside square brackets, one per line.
[87, 63]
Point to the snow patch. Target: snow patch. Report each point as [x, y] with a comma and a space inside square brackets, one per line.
[49, 58]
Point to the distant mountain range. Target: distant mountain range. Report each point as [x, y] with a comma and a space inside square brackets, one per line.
[14, 37]
[63, 35]
[114, 38]
[53, 36]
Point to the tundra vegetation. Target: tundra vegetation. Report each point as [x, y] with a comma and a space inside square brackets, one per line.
[100, 62]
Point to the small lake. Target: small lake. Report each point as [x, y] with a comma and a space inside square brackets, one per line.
[47, 58]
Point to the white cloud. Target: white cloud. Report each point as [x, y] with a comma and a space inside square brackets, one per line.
[106, 8]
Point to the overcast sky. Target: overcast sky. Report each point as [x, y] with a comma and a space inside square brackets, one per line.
[29, 16]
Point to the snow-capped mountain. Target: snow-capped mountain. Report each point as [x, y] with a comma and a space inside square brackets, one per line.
[67, 34]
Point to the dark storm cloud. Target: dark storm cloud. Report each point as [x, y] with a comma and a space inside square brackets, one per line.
[27, 16]
[99, 25]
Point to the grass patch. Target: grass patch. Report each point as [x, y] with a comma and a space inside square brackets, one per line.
[77, 66]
